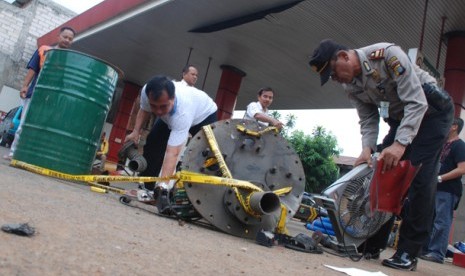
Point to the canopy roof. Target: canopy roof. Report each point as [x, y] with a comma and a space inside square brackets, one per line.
[270, 40]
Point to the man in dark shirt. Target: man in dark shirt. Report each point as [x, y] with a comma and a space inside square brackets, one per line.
[64, 41]
[448, 194]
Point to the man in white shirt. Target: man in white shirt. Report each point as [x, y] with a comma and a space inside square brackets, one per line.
[259, 110]
[180, 110]
[190, 75]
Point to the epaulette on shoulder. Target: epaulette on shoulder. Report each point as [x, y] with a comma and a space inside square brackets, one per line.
[377, 54]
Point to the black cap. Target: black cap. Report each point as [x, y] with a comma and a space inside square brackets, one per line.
[322, 56]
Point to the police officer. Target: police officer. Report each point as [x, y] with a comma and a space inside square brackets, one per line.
[381, 81]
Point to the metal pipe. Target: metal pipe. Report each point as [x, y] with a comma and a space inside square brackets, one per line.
[263, 203]
[138, 164]
[440, 41]
[206, 73]
[420, 48]
[189, 55]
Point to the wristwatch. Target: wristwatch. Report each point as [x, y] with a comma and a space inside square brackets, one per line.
[439, 179]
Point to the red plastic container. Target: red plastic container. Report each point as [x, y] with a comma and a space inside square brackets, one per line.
[388, 189]
[459, 259]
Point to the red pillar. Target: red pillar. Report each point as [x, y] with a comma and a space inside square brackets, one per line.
[228, 89]
[454, 70]
[118, 131]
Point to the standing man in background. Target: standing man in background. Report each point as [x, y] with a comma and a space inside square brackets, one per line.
[65, 39]
[381, 81]
[259, 110]
[190, 75]
[448, 194]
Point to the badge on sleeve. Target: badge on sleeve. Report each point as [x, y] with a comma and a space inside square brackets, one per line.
[395, 66]
[391, 60]
[398, 69]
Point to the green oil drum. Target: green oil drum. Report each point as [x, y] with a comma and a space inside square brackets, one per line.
[67, 112]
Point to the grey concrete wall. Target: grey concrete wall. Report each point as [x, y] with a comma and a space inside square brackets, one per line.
[19, 30]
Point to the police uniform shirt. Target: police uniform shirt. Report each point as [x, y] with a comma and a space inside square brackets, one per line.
[388, 76]
[191, 107]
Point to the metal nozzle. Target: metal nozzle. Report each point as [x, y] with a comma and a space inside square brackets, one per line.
[264, 203]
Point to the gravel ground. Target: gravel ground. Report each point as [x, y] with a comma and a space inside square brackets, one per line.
[80, 232]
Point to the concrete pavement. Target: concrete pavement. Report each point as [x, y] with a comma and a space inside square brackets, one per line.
[82, 232]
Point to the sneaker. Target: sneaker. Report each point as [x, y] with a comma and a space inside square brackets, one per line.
[460, 246]
[8, 157]
[145, 195]
[431, 258]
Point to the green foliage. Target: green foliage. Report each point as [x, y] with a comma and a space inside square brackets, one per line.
[288, 124]
[316, 152]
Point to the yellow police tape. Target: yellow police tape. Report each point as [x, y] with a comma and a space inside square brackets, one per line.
[243, 129]
[86, 178]
[225, 170]
[207, 130]
[182, 176]
[244, 202]
[281, 227]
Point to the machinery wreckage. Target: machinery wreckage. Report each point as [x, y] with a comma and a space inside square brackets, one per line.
[246, 180]
[240, 177]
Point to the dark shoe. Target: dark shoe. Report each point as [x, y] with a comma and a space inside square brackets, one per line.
[401, 260]
[304, 243]
[430, 258]
[372, 253]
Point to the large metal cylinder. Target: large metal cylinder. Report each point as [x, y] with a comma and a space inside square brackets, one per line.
[67, 112]
[266, 161]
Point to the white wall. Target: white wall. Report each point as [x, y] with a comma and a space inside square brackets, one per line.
[9, 98]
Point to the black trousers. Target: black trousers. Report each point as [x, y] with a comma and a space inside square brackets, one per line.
[156, 142]
[425, 150]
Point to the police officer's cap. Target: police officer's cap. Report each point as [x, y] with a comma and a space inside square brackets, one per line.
[322, 56]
